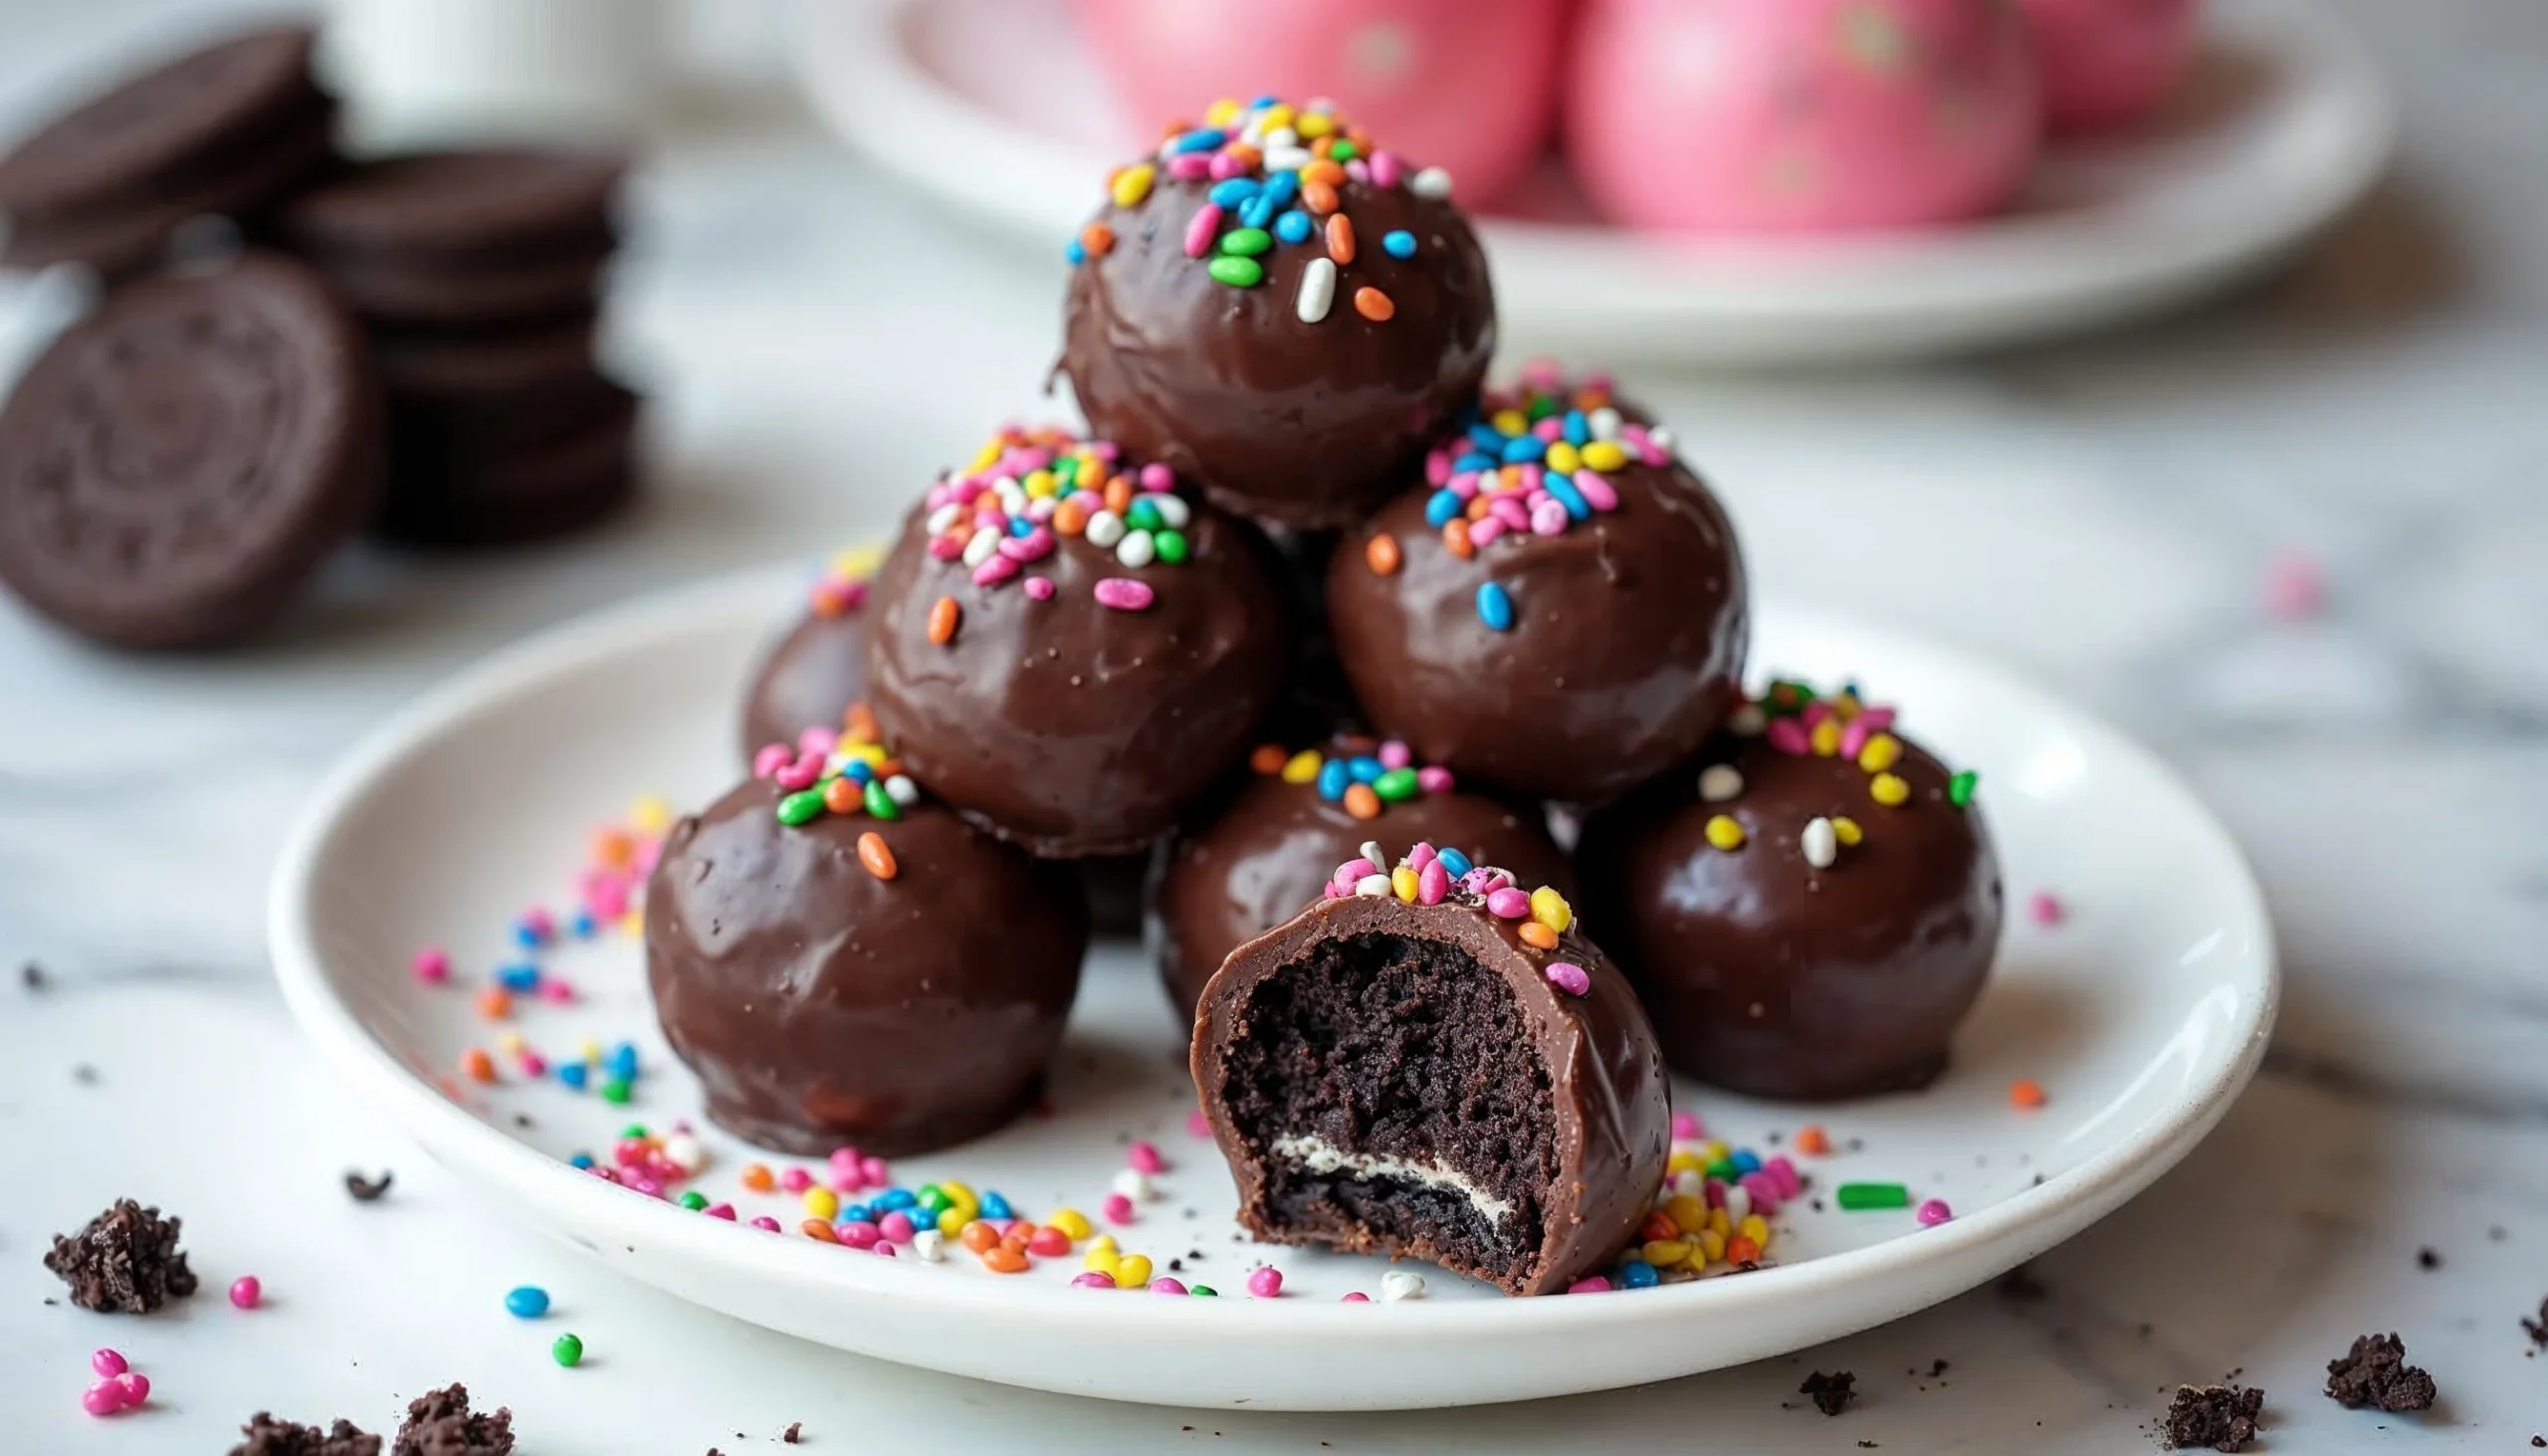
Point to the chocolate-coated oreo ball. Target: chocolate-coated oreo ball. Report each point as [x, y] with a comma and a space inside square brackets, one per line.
[1067, 647]
[1269, 852]
[811, 675]
[899, 984]
[1280, 308]
[1808, 909]
[1555, 605]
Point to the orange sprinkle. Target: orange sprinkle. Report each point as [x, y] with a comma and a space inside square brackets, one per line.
[756, 1177]
[1383, 556]
[1340, 239]
[1480, 504]
[494, 1004]
[843, 797]
[1005, 1260]
[1318, 197]
[2026, 1092]
[1456, 540]
[1019, 1235]
[819, 1230]
[943, 617]
[888, 768]
[1373, 304]
[1098, 239]
[876, 855]
[1361, 803]
[1812, 1139]
[1268, 758]
[1739, 1250]
[1070, 518]
[1538, 937]
[1119, 495]
[1323, 171]
[613, 847]
[860, 724]
[477, 1065]
[980, 1237]
[1244, 154]
[1657, 1225]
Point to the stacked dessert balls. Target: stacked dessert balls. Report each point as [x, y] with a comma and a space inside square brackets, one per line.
[1324, 627]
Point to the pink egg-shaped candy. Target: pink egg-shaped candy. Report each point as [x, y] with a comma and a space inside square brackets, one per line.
[2106, 63]
[1800, 116]
[1468, 86]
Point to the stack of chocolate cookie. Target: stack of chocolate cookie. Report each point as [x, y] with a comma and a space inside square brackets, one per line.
[477, 274]
[224, 132]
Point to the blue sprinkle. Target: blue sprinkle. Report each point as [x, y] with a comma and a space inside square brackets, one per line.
[1262, 101]
[580, 1160]
[572, 1075]
[1477, 459]
[1638, 1274]
[1364, 769]
[1293, 226]
[1576, 507]
[1578, 430]
[859, 772]
[1745, 1161]
[1020, 528]
[1398, 243]
[528, 937]
[521, 975]
[530, 1302]
[1282, 187]
[1074, 252]
[584, 925]
[1441, 506]
[893, 1200]
[1332, 777]
[996, 1206]
[1454, 863]
[1231, 192]
[1523, 449]
[1202, 138]
[1495, 608]
[1487, 438]
[623, 1062]
[857, 1214]
[1257, 211]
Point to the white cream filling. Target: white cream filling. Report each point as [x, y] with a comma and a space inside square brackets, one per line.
[1319, 1155]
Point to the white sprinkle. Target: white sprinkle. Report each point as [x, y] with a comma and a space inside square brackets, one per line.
[1253, 134]
[943, 517]
[686, 1152]
[986, 541]
[1104, 529]
[1748, 720]
[1822, 846]
[1136, 1185]
[1372, 851]
[1373, 885]
[1286, 158]
[1719, 782]
[1318, 290]
[1604, 423]
[1282, 137]
[1661, 436]
[902, 790]
[1135, 548]
[929, 1246]
[1173, 511]
[1691, 1184]
[1738, 1202]
[1432, 182]
[1398, 1285]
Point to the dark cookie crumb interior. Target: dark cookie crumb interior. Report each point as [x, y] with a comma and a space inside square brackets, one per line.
[2375, 1373]
[2223, 1417]
[268, 1436]
[1831, 1393]
[126, 1260]
[1389, 1047]
[440, 1423]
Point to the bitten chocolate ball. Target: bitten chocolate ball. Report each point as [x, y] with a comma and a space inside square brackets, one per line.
[1279, 309]
[811, 675]
[1556, 606]
[898, 984]
[1067, 648]
[1809, 912]
[1267, 854]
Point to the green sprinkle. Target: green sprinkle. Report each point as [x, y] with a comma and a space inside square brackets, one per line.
[1170, 545]
[1245, 242]
[1959, 788]
[802, 807]
[1066, 472]
[1342, 151]
[694, 1200]
[935, 1199]
[1206, 1289]
[567, 1351]
[633, 1129]
[615, 1091]
[1396, 786]
[1542, 406]
[1238, 272]
[1143, 515]
[880, 803]
[1859, 1198]
[1724, 1170]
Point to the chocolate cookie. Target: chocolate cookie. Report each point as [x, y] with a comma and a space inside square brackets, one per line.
[175, 467]
[125, 234]
[399, 289]
[474, 364]
[459, 205]
[534, 494]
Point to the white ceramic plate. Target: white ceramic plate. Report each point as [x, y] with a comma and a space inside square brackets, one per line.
[2283, 125]
[2143, 1015]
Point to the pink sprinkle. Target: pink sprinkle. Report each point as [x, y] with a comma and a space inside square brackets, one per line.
[433, 965]
[878, 1175]
[1118, 1208]
[556, 992]
[1035, 546]
[1854, 737]
[2294, 590]
[1125, 594]
[1357, 169]
[1687, 1128]
[1048, 1243]
[1093, 1280]
[1334, 890]
[844, 1162]
[137, 1388]
[1596, 491]
[1715, 1192]
[1548, 519]
[1352, 871]
[1509, 510]
[1463, 484]
[1550, 429]
[1197, 1125]
[1155, 476]
[1201, 229]
[109, 1362]
[795, 1181]
[897, 1226]
[1591, 1284]
[765, 1223]
[724, 1211]
[1816, 711]
[1568, 976]
[1143, 1157]
[541, 924]
[946, 547]
[1764, 1190]
[1782, 1172]
[534, 1064]
[1165, 1285]
[1387, 168]
[1933, 1213]
[2046, 909]
[1039, 588]
[885, 1249]
[995, 569]
[1224, 166]
[1484, 530]
[1423, 854]
[1395, 754]
[1355, 1297]
[106, 1397]
[1434, 778]
[1484, 880]
[1437, 468]
[1509, 903]
[1190, 167]
[1788, 736]
[859, 1233]
[801, 773]
[1265, 1283]
[1433, 883]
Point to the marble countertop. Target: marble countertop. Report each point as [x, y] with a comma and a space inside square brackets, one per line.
[2104, 512]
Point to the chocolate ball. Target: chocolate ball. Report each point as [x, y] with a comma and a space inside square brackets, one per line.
[1270, 852]
[1290, 330]
[1832, 952]
[821, 1004]
[809, 680]
[1075, 698]
[1584, 630]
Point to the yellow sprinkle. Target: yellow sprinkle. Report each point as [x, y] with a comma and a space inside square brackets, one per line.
[1103, 1261]
[821, 1203]
[1550, 910]
[1887, 789]
[959, 1193]
[1221, 112]
[1688, 1212]
[511, 1043]
[1880, 752]
[1845, 829]
[1303, 766]
[1311, 125]
[1715, 1149]
[1723, 832]
[1277, 116]
[1511, 422]
[1664, 1253]
[1756, 1229]
[1105, 1241]
[1712, 1244]
[1133, 1272]
[1402, 883]
[1134, 183]
[861, 561]
[1040, 484]
[1605, 456]
[1846, 705]
[952, 1221]
[1683, 1161]
[1827, 738]
[1562, 457]
[650, 814]
[1070, 1221]
[869, 753]
[633, 922]
[1720, 1224]
[591, 1051]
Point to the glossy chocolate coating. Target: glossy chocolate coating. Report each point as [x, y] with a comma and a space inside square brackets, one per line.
[809, 680]
[1625, 652]
[1114, 886]
[1773, 978]
[1066, 725]
[1606, 1081]
[820, 1005]
[1306, 424]
[1270, 853]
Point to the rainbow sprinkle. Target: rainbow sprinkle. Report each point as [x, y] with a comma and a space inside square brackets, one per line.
[1028, 490]
[1366, 785]
[838, 773]
[1794, 720]
[840, 581]
[1427, 876]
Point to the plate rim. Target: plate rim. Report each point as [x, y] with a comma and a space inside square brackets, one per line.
[533, 1183]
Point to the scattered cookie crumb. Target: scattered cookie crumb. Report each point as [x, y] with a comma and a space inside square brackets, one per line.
[1832, 1393]
[2428, 1259]
[2375, 1373]
[368, 1190]
[2537, 1329]
[796, 1432]
[83, 1074]
[31, 977]
[268, 1436]
[126, 1260]
[441, 1423]
[2223, 1417]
